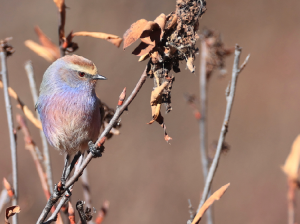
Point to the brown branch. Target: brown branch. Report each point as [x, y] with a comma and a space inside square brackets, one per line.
[86, 188]
[71, 213]
[28, 113]
[32, 148]
[291, 198]
[119, 111]
[230, 98]
[102, 213]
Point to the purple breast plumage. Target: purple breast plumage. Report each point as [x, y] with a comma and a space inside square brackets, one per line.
[70, 118]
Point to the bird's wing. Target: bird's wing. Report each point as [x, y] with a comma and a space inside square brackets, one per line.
[102, 112]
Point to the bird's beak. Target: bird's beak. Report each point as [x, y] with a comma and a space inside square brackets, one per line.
[98, 77]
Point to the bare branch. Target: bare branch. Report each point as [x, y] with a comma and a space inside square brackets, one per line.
[230, 99]
[13, 145]
[47, 164]
[203, 118]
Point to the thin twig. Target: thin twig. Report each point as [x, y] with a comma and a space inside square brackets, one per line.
[13, 145]
[203, 98]
[230, 97]
[86, 188]
[47, 164]
[28, 113]
[4, 198]
[291, 198]
[66, 197]
[119, 111]
[30, 145]
[203, 118]
[102, 213]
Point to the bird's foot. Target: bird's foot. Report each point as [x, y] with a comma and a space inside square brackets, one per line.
[96, 151]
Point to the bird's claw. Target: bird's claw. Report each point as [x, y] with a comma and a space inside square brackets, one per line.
[96, 152]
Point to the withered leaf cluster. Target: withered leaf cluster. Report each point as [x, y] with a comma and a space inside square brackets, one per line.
[49, 51]
[216, 51]
[166, 41]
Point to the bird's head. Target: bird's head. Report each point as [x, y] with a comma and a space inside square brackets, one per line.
[73, 70]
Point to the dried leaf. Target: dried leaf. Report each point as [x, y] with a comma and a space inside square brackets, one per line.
[10, 211]
[40, 50]
[190, 64]
[214, 197]
[143, 49]
[134, 32]
[171, 21]
[157, 93]
[291, 166]
[60, 4]
[151, 34]
[115, 40]
[144, 57]
[161, 21]
[46, 42]
[8, 188]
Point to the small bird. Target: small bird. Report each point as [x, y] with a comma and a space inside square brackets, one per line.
[68, 106]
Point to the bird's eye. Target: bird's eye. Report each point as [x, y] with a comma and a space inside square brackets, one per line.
[81, 74]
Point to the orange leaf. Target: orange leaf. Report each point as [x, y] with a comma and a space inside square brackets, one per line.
[142, 49]
[214, 197]
[134, 32]
[60, 4]
[144, 57]
[71, 213]
[10, 211]
[115, 40]
[291, 165]
[161, 21]
[8, 188]
[46, 42]
[40, 50]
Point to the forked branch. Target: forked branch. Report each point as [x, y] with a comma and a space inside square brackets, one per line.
[229, 98]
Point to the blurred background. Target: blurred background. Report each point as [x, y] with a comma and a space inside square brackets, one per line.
[145, 179]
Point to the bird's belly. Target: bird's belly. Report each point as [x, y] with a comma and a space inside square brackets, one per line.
[70, 126]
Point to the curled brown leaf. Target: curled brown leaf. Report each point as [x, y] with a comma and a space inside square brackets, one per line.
[11, 211]
[134, 32]
[115, 40]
